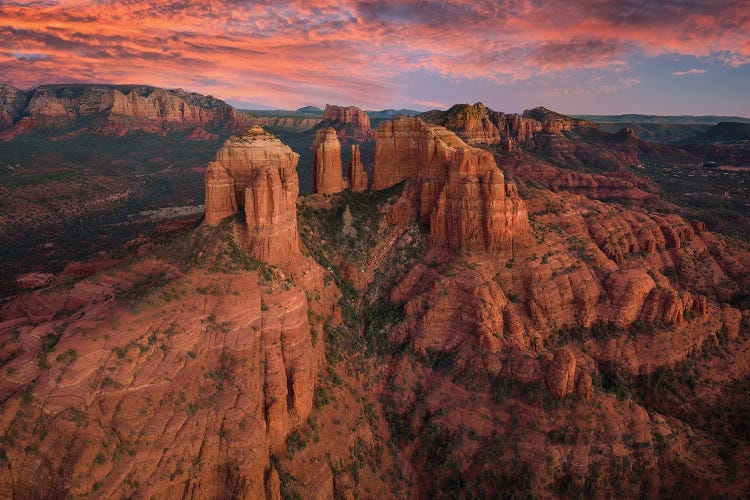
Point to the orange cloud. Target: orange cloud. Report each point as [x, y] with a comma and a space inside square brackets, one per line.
[295, 53]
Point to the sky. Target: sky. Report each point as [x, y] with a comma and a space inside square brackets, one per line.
[573, 56]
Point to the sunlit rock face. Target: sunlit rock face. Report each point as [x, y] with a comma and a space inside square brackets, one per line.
[462, 195]
[327, 176]
[257, 172]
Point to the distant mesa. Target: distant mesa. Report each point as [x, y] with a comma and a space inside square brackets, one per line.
[387, 114]
[723, 132]
[310, 110]
[478, 124]
[113, 110]
[350, 122]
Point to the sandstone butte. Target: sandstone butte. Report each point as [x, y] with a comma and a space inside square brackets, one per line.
[327, 169]
[461, 193]
[114, 110]
[256, 171]
[357, 176]
[358, 122]
[174, 398]
[477, 124]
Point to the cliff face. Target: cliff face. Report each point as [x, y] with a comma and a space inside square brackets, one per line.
[461, 194]
[257, 171]
[166, 398]
[290, 123]
[477, 124]
[357, 176]
[113, 110]
[327, 170]
[12, 103]
[350, 122]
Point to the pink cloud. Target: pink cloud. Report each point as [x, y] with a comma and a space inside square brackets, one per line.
[692, 71]
[295, 53]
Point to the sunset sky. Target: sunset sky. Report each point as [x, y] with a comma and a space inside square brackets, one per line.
[589, 56]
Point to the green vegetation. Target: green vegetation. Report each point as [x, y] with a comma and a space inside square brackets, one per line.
[156, 170]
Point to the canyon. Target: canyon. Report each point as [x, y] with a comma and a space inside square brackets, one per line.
[492, 304]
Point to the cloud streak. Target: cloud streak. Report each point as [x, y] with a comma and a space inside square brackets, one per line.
[692, 71]
[291, 53]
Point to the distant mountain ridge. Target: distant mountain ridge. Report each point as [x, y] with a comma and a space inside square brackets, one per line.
[723, 132]
[670, 119]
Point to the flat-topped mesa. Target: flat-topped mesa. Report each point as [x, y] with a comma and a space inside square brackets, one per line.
[327, 171]
[463, 195]
[357, 175]
[357, 122]
[255, 170]
[113, 110]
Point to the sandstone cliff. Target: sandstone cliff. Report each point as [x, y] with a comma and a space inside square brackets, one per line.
[327, 170]
[350, 122]
[12, 103]
[256, 171]
[357, 175]
[282, 122]
[477, 124]
[113, 110]
[461, 193]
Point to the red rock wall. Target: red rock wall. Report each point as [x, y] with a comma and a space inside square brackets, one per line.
[327, 171]
[263, 172]
[463, 195]
[357, 176]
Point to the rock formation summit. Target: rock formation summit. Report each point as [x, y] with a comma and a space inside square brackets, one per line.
[327, 173]
[355, 122]
[257, 172]
[461, 192]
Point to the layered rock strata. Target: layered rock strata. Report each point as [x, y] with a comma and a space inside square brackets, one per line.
[347, 114]
[112, 110]
[462, 194]
[477, 124]
[257, 171]
[358, 180]
[327, 171]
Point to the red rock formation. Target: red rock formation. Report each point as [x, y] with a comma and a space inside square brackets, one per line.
[348, 114]
[561, 374]
[357, 175]
[221, 200]
[262, 171]
[291, 123]
[462, 194]
[12, 102]
[731, 318]
[116, 110]
[189, 395]
[327, 171]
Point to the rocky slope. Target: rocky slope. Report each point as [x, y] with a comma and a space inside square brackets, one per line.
[112, 110]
